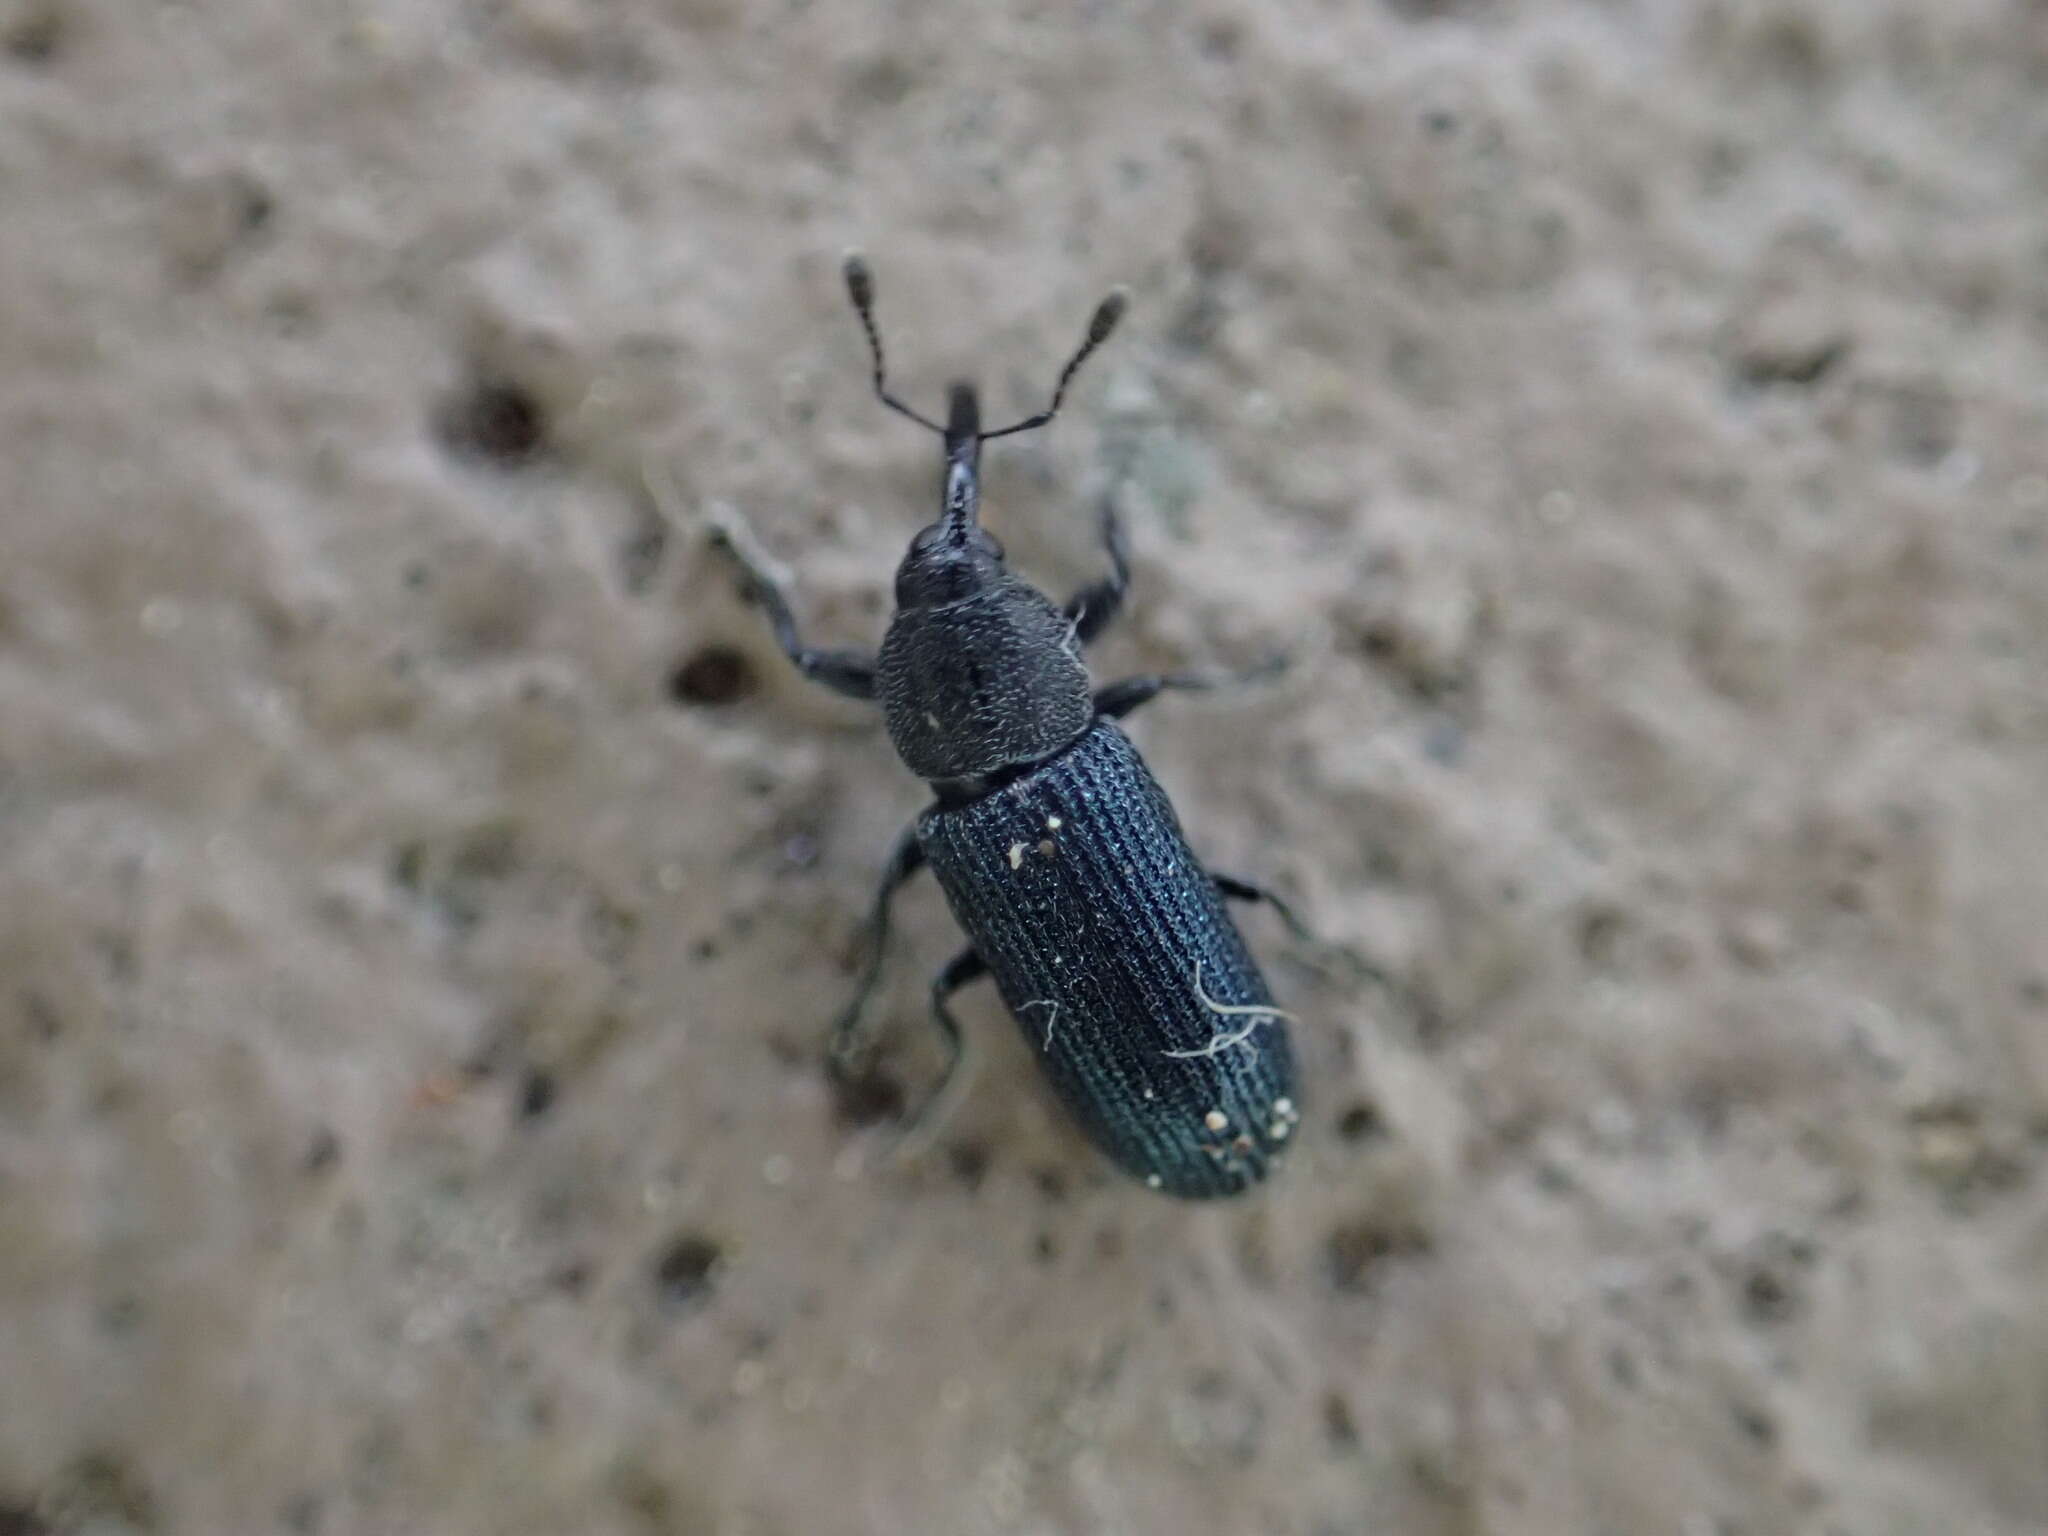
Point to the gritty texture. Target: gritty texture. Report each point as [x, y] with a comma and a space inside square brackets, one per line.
[1110, 944]
[424, 888]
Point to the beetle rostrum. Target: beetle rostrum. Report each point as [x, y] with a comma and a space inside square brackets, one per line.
[1060, 856]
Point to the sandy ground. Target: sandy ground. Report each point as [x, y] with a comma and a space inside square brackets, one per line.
[423, 886]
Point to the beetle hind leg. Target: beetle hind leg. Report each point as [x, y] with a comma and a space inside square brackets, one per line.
[1234, 889]
[906, 858]
[931, 1116]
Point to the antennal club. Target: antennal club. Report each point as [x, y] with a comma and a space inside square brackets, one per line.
[1100, 324]
[860, 287]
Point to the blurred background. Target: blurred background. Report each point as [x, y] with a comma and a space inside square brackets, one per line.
[424, 887]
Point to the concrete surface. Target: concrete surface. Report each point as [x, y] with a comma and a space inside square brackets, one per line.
[423, 887]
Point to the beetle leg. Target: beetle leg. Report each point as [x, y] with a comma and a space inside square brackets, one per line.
[906, 858]
[1235, 889]
[964, 968]
[1323, 956]
[848, 672]
[1118, 699]
[1092, 609]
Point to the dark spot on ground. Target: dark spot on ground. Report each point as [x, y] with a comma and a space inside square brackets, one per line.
[712, 674]
[302, 1513]
[99, 1488]
[1052, 1184]
[687, 1270]
[34, 36]
[868, 1096]
[1435, 10]
[323, 1151]
[968, 1161]
[1361, 1121]
[1355, 1250]
[1757, 1423]
[1340, 1427]
[1767, 1297]
[573, 1278]
[1762, 366]
[536, 1094]
[1600, 933]
[493, 419]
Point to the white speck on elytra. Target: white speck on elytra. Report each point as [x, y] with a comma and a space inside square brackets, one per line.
[1216, 1120]
[1016, 855]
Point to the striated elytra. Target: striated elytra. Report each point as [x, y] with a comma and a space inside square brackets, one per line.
[1062, 859]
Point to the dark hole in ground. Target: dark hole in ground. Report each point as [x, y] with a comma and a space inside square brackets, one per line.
[256, 203]
[1360, 1121]
[867, 1097]
[536, 1095]
[1340, 1427]
[1052, 1184]
[1768, 1295]
[1434, 10]
[688, 1270]
[1756, 1423]
[573, 1278]
[493, 419]
[1764, 366]
[35, 36]
[969, 1162]
[1356, 1249]
[96, 1490]
[713, 675]
[20, 1520]
[323, 1151]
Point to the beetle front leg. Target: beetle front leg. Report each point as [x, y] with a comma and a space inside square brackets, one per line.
[1092, 609]
[906, 858]
[1117, 700]
[851, 673]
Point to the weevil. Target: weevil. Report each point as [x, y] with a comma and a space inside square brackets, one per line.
[1060, 856]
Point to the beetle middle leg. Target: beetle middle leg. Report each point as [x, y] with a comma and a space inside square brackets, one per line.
[851, 673]
[962, 970]
[1118, 699]
[906, 858]
[1092, 609]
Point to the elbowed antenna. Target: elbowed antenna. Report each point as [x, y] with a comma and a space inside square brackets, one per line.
[860, 287]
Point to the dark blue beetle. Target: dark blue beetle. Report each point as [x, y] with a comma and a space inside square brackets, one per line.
[1061, 857]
